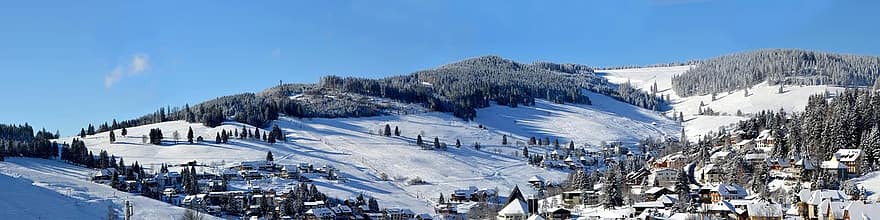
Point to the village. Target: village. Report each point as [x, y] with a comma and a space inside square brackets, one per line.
[251, 189]
[633, 182]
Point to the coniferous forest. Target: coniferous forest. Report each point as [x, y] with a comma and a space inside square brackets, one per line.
[776, 66]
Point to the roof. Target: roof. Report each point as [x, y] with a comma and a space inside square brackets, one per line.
[722, 206]
[516, 207]
[731, 189]
[848, 155]
[720, 154]
[668, 199]
[535, 217]
[817, 196]
[536, 179]
[859, 210]
[321, 212]
[805, 164]
[834, 164]
[764, 209]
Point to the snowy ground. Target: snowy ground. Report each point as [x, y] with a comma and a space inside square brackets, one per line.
[761, 97]
[871, 182]
[352, 146]
[49, 189]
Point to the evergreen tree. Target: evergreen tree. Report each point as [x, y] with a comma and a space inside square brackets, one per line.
[419, 140]
[82, 133]
[124, 132]
[189, 135]
[436, 143]
[504, 139]
[387, 131]
[525, 151]
[112, 137]
[396, 131]
[218, 140]
[457, 143]
[269, 156]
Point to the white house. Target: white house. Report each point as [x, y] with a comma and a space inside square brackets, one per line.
[516, 210]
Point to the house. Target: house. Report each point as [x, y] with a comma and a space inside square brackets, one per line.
[719, 157]
[858, 210]
[424, 216]
[763, 210]
[515, 210]
[721, 210]
[320, 214]
[811, 202]
[665, 177]
[537, 181]
[835, 168]
[852, 158]
[710, 174]
[802, 167]
[290, 172]
[536, 217]
[655, 192]
[399, 214]
[755, 158]
[674, 161]
[765, 141]
[559, 214]
[104, 175]
[722, 192]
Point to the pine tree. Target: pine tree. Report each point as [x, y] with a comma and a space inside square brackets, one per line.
[82, 133]
[525, 151]
[269, 156]
[112, 137]
[218, 138]
[396, 131]
[189, 135]
[419, 140]
[504, 139]
[436, 143]
[457, 143]
[387, 131]
[124, 132]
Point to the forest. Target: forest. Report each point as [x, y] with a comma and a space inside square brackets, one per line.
[777, 66]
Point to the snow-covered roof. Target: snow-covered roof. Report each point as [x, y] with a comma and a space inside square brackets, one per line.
[817, 196]
[516, 208]
[805, 163]
[321, 212]
[756, 156]
[722, 206]
[535, 217]
[731, 189]
[848, 155]
[834, 164]
[536, 178]
[764, 209]
[744, 142]
[667, 199]
[720, 154]
[860, 210]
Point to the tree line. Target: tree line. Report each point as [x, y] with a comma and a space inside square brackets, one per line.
[777, 66]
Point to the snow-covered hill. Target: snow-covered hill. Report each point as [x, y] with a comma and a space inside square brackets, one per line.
[50, 189]
[761, 97]
[353, 146]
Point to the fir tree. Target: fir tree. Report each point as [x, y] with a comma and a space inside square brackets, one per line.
[189, 135]
[112, 137]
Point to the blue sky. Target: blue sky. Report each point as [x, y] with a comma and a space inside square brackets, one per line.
[69, 63]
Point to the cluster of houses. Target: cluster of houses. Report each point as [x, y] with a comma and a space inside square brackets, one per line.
[653, 191]
[216, 197]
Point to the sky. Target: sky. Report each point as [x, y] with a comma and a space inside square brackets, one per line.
[65, 64]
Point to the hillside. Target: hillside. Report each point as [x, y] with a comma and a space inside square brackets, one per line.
[49, 189]
[352, 146]
[761, 97]
[776, 66]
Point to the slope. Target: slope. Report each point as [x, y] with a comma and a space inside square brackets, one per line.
[63, 191]
[760, 97]
[353, 146]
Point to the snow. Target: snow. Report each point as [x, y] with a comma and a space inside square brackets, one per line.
[761, 97]
[353, 146]
[63, 191]
[871, 183]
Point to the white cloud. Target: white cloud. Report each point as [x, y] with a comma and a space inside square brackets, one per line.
[138, 64]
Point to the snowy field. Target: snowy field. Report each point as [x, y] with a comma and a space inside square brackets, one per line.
[49, 189]
[352, 146]
[761, 97]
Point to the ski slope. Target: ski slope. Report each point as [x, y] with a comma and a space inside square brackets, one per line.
[353, 146]
[50, 189]
[761, 97]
